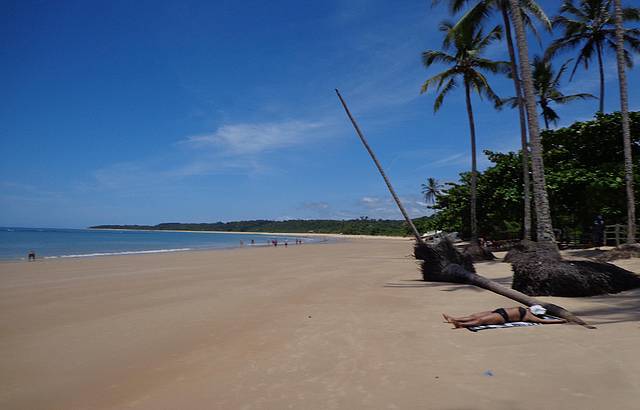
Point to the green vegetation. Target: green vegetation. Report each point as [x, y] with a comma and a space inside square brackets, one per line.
[585, 177]
[362, 226]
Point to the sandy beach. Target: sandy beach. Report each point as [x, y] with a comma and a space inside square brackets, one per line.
[341, 325]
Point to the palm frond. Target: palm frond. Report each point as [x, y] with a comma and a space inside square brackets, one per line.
[450, 34]
[475, 15]
[631, 14]
[569, 8]
[564, 43]
[528, 22]
[550, 114]
[564, 99]
[446, 90]
[531, 7]
[483, 42]
[430, 57]
[482, 87]
[438, 79]
[585, 55]
[511, 102]
[503, 67]
[561, 71]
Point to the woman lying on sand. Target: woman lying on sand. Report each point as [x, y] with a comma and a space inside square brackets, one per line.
[501, 316]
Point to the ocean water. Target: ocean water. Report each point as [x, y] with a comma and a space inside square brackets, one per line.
[15, 243]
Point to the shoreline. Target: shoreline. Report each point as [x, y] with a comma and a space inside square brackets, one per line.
[154, 252]
[315, 238]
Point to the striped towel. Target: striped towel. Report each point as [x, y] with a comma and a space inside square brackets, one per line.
[509, 324]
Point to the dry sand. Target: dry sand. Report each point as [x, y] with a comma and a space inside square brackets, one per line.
[332, 326]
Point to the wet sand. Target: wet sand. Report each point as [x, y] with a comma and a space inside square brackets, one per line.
[342, 325]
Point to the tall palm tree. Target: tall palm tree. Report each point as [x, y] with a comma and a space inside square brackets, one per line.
[431, 190]
[480, 12]
[590, 26]
[624, 109]
[468, 42]
[544, 228]
[546, 84]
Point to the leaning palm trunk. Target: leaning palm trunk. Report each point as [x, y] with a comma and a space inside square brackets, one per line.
[382, 173]
[474, 173]
[628, 164]
[523, 127]
[544, 227]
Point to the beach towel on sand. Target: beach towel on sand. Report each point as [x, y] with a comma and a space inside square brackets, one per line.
[509, 324]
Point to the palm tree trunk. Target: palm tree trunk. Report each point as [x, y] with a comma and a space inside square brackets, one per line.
[601, 70]
[382, 173]
[544, 227]
[474, 175]
[526, 188]
[626, 135]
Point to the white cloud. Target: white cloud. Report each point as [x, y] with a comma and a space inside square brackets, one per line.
[385, 207]
[454, 159]
[369, 200]
[318, 206]
[247, 139]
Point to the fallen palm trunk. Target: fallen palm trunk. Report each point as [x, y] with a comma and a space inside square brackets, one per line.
[438, 266]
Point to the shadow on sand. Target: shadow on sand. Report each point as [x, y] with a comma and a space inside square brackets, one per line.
[605, 309]
[585, 253]
[619, 308]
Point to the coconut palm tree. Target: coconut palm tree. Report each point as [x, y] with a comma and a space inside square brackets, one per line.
[468, 43]
[479, 13]
[546, 84]
[544, 228]
[624, 109]
[431, 190]
[590, 26]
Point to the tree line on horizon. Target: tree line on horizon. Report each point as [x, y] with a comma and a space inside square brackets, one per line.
[360, 226]
[589, 27]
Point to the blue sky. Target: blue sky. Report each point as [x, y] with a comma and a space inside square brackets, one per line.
[202, 111]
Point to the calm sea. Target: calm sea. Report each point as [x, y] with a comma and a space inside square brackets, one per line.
[15, 243]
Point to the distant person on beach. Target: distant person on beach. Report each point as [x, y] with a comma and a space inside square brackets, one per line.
[598, 231]
[31, 256]
[501, 316]
[253, 242]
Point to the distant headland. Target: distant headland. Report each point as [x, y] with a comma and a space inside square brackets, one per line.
[361, 226]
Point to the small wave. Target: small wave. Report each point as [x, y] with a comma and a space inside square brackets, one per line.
[88, 255]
